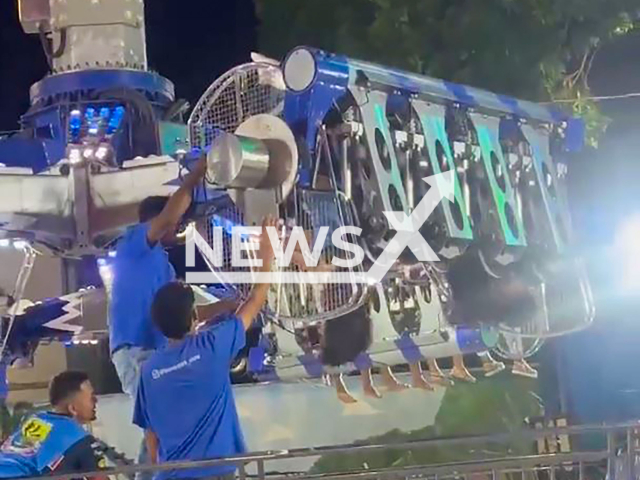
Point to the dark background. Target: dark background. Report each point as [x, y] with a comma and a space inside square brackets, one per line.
[191, 43]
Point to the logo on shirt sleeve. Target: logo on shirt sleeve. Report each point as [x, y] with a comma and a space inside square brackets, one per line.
[35, 430]
[28, 439]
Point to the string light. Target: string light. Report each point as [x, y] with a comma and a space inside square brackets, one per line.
[596, 98]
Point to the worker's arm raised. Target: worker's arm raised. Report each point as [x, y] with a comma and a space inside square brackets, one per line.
[177, 205]
[210, 312]
[250, 309]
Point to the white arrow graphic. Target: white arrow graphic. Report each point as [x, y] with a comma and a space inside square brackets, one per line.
[408, 227]
[71, 313]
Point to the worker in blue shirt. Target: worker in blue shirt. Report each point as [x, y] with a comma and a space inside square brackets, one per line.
[185, 401]
[55, 442]
[140, 268]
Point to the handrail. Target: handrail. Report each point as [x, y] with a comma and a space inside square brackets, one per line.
[273, 455]
[530, 461]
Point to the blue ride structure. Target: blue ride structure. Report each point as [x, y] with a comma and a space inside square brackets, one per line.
[319, 139]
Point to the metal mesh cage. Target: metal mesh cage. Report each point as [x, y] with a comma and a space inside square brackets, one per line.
[308, 302]
[226, 215]
[247, 90]
[305, 302]
[514, 346]
[565, 304]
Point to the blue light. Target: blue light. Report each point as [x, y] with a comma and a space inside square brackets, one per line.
[105, 113]
[75, 123]
[92, 121]
[116, 120]
[227, 225]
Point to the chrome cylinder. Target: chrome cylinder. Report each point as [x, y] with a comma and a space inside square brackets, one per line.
[236, 161]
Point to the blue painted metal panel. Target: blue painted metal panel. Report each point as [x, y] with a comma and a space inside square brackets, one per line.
[97, 80]
[23, 152]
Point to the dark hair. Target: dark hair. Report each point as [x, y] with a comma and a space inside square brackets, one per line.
[172, 309]
[64, 385]
[478, 297]
[151, 207]
[346, 337]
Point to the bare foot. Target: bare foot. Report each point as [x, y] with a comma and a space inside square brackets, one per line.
[346, 397]
[371, 391]
[368, 387]
[422, 383]
[441, 380]
[341, 389]
[390, 382]
[462, 374]
[436, 376]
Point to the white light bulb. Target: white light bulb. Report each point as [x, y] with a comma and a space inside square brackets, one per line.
[74, 156]
[19, 245]
[627, 248]
[101, 153]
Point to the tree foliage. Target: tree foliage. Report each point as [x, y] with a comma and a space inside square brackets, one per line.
[498, 405]
[539, 50]
[10, 419]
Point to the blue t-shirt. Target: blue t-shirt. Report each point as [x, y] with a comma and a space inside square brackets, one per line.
[139, 271]
[39, 445]
[4, 387]
[185, 398]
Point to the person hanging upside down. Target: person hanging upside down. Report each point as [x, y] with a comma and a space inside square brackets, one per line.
[479, 298]
[339, 348]
[343, 339]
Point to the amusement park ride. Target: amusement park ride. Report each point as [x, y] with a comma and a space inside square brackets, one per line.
[319, 139]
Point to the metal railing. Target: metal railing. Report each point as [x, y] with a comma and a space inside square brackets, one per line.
[614, 462]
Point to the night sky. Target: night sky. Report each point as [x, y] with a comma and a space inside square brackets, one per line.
[190, 46]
